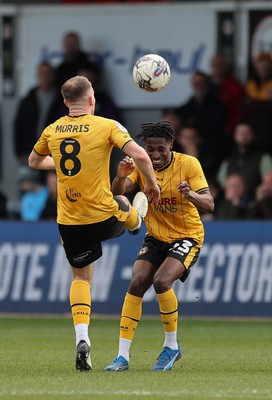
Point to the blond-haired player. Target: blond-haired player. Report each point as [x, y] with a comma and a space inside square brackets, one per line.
[79, 146]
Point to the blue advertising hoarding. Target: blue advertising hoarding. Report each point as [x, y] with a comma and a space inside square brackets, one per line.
[233, 276]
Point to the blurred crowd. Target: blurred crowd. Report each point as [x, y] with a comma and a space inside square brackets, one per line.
[41, 106]
[225, 123]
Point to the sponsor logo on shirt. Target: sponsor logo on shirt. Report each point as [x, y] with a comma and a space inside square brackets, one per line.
[72, 196]
[166, 204]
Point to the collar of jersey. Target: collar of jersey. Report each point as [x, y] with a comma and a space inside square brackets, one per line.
[76, 116]
[166, 165]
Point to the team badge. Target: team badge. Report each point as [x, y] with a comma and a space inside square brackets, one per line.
[143, 250]
[120, 126]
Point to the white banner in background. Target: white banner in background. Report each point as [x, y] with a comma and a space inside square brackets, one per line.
[117, 36]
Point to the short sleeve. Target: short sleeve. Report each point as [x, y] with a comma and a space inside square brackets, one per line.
[196, 177]
[41, 146]
[119, 135]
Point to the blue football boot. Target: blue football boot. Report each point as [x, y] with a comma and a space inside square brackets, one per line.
[167, 358]
[119, 364]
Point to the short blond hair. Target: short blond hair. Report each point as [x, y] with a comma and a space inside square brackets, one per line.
[75, 88]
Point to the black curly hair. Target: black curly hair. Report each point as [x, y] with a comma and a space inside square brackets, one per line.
[162, 129]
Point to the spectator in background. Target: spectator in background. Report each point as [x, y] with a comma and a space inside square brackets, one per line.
[42, 105]
[259, 85]
[209, 114]
[259, 100]
[33, 194]
[245, 159]
[104, 106]
[73, 58]
[229, 90]
[262, 208]
[237, 200]
[171, 116]
[49, 211]
[189, 141]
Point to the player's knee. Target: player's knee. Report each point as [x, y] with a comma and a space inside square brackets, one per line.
[137, 287]
[161, 284]
[124, 203]
[123, 199]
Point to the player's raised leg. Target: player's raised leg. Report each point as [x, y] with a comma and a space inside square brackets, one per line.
[140, 205]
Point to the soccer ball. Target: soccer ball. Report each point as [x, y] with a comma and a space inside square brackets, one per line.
[151, 73]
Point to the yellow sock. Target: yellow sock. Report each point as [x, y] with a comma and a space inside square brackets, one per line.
[132, 220]
[168, 303]
[80, 301]
[131, 314]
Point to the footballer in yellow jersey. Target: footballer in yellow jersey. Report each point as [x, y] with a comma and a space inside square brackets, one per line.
[173, 240]
[81, 147]
[78, 146]
[174, 217]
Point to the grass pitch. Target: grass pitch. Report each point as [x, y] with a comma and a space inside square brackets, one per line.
[221, 360]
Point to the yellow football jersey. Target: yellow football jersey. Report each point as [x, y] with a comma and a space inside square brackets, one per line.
[175, 217]
[260, 92]
[81, 148]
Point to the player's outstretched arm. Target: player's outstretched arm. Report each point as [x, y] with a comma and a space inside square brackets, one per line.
[144, 164]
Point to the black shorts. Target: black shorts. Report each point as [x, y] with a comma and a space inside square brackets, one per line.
[82, 243]
[185, 250]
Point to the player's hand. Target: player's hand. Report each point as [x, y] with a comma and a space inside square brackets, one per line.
[184, 188]
[126, 167]
[152, 193]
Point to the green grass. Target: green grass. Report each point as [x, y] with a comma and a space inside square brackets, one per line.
[222, 360]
